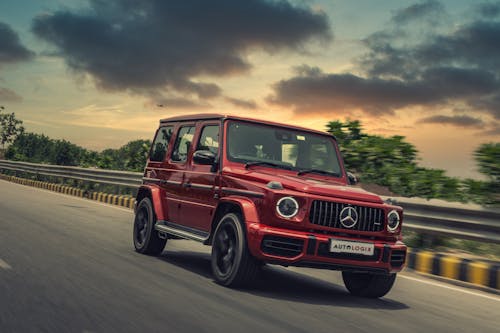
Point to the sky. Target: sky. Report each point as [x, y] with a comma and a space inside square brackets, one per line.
[101, 73]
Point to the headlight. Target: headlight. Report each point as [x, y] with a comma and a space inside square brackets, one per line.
[287, 207]
[392, 220]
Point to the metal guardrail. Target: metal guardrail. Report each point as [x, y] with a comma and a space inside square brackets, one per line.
[442, 218]
[111, 177]
[432, 217]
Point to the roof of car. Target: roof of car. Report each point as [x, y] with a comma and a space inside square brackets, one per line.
[209, 116]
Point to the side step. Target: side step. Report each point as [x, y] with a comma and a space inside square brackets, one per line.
[181, 231]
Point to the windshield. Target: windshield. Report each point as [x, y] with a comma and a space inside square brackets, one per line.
[281, 148]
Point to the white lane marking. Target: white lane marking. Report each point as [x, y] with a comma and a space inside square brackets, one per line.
[4, 265]
[437, 284]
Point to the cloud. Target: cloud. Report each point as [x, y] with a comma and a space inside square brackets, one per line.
[488, 9]
[7, 95]
[313, 90]
[11, 49]
[242, 103]
[403, 66]
[461, 121]
[424, 10]
[150, 45]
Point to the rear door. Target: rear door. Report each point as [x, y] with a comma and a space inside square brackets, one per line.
[174, 172]
[200, 181]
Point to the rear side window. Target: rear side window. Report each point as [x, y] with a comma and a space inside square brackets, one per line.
[160, 144]
[183, 143]
[209, 139]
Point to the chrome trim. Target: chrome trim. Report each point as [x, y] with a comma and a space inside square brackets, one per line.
[327, 214]
[349, 214]
[388, 219]
[172, 228]
[202, 186]
[291, 215]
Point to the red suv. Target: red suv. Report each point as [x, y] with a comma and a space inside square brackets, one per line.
[261, 192]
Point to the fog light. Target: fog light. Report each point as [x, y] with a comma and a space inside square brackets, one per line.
[392, 220]
[287, 207]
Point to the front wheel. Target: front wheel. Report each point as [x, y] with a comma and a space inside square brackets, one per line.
[368, 284]
[232, 263]
[146, 238]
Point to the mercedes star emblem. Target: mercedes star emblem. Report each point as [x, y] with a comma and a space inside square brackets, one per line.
[348, 217]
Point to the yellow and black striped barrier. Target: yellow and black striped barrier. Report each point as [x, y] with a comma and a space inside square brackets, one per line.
[473, 271]
[478, 272]
[112, 199]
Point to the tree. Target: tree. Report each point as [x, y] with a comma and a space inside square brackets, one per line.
[10, 127]
[30, 147]
[345, 132]
[391, 162]
[488, 159]
[135, 154]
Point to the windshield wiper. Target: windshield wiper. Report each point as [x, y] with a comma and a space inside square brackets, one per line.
[271, 164]
[322, 172]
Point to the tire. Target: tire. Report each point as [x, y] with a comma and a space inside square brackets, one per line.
[368, 284]
[232, 263]
[146, 238]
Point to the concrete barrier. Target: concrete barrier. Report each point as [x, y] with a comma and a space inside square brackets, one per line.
[112, 199]
[478, 272]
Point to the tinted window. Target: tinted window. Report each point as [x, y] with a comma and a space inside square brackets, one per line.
[183, 143]
[287, 148]
[209, 139]
[160, 144]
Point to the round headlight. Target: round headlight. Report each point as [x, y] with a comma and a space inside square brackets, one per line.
[287, 207]
[392, 220]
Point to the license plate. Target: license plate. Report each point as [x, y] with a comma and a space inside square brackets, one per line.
[342, 246]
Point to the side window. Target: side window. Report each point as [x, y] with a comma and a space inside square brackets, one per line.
[160, 144]
[209, 139]
[183, 143]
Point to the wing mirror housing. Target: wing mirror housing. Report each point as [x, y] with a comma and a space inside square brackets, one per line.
[351, 178]
[204, 157]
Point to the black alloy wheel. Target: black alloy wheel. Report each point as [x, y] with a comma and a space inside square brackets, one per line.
[146, 238]
[232, 263]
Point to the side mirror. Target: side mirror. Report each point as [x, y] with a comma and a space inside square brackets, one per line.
[205, 157]
[351, 178]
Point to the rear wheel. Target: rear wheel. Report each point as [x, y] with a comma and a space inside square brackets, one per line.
[146, 238]
[368, 284]
[232, 263]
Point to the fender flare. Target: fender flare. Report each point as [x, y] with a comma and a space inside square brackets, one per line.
[250, 219]
[155, 193]
[247, 206]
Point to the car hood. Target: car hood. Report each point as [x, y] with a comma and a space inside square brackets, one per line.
[323, 187]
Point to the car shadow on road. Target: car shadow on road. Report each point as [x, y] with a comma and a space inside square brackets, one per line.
[278, 283]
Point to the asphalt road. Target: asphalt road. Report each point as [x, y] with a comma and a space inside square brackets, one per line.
[68, 265]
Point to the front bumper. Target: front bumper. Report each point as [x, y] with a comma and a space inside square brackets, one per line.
[308, 249]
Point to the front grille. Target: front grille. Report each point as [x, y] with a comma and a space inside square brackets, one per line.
[327, 214]
[282, 246]
[398, 258]
[323, 251]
